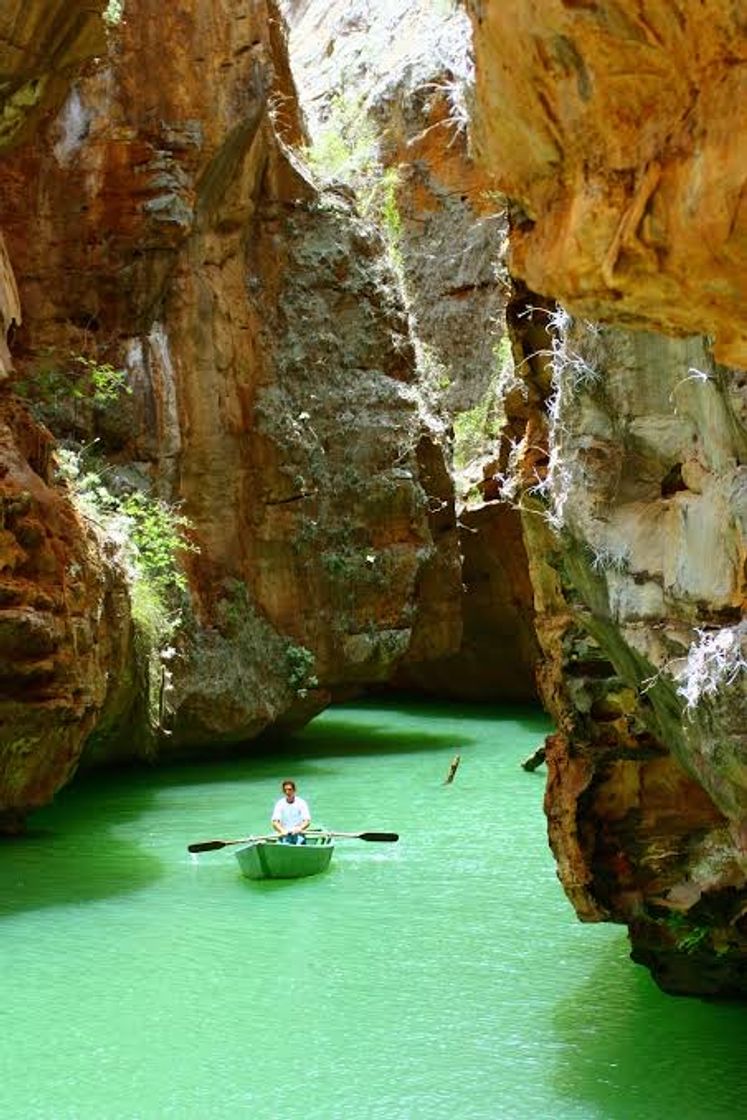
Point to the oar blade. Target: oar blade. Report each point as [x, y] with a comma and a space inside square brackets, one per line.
[206, 846]
[380, 837]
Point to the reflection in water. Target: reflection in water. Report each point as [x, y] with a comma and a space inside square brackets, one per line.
[81, 857]
[632, 1051]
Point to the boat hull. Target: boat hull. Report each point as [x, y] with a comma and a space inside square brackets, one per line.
[268, 859]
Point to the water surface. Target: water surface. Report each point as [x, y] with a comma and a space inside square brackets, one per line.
[441, 978]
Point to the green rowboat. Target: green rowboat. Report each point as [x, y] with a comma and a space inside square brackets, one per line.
[269, 859]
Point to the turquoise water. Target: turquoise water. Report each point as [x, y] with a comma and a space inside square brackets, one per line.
[441, 978]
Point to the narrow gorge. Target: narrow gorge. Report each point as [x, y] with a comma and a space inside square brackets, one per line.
[361, 348]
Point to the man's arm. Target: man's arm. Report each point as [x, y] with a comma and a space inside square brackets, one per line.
[276, 822]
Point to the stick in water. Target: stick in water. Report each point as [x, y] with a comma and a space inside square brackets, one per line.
[535, 759]
[453, 769]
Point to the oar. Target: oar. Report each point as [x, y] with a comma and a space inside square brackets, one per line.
[380, 837]
[214, 845]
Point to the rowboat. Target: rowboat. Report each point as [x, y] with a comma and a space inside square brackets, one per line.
[267, 858]
[264, 857]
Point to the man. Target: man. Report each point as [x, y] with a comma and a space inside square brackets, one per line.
[291, 816]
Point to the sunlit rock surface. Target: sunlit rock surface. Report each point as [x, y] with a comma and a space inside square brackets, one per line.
[393, 79]
[42, 45]
[616, 129]
[10, 309]
[65, 635]
[634, 523]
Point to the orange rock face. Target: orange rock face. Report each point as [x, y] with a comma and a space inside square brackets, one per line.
[65, 633]
[269, 364]
[42, 44]
[616, 129]
[615, 132]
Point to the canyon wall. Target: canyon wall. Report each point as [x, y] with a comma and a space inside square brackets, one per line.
[264, 373]
[66, 641]
[386, 92]
[614, 130]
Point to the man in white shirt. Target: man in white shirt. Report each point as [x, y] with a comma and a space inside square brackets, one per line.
[291, 816]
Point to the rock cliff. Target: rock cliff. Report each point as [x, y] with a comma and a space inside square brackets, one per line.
[66, 651]
[613, 130]
[386, 91]
[228, 340]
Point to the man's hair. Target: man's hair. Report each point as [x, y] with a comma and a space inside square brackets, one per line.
[288, 782]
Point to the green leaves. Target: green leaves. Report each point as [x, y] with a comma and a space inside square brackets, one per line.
[300, 665]
[152, 532]
[54, 387]
[158, 534]
[103, 383]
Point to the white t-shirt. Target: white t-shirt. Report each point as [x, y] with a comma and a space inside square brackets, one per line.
[290, 813]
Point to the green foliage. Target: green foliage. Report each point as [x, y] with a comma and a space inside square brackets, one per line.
[472, 432]
[147, 536]
[693, 940]
[306, 534]
[113, 12]
[102, 382]
[338, 563]
[158, 534]
[154, 622]
[299, 663]
[54, 390]
[477, 428]
[390, 214]
[347, 147]
[502, 354]
[380, 205]
[354, 566]
[150, 534]
[46, 387]
[689, 938]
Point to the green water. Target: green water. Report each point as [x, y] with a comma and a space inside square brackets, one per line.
[440, 978]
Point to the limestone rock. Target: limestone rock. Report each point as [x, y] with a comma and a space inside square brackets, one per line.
[65, 632]
[10, 309]
[616, 130]
[391, 84]
[42, 44]
[269, 365]
[638, 583]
